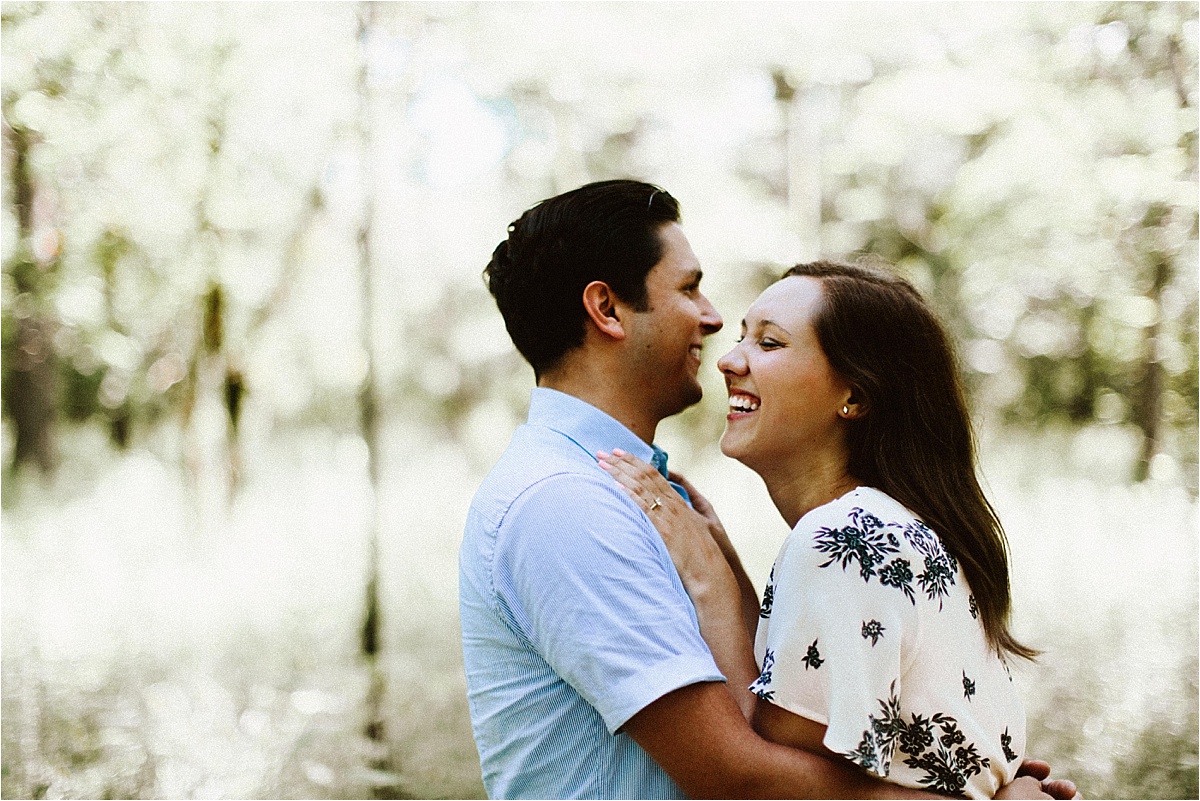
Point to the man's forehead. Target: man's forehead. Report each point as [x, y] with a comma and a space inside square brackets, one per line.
[677, 247]
[678, 270]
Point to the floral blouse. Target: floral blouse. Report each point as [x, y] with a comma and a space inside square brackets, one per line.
[868, 626]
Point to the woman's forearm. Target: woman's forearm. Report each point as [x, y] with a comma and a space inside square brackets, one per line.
[750, 601]
[720, 603]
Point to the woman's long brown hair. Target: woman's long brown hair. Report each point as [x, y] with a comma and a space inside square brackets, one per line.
[914, 441]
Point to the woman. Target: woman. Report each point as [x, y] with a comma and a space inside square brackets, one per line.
[883, 634]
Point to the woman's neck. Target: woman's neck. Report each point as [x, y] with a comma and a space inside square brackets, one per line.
[796, 492]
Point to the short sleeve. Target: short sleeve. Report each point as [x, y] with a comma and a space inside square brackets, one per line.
[841, 622]
[582, 576]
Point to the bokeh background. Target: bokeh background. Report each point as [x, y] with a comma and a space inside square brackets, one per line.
[252, 376]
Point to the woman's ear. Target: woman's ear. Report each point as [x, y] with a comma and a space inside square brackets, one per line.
[854, 406]
[601, 306]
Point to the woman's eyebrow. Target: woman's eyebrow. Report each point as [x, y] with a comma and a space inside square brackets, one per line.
[767, 322]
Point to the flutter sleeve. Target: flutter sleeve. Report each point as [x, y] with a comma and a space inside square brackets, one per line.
[841, 617]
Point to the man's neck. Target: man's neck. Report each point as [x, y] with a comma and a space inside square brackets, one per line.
[609, 397]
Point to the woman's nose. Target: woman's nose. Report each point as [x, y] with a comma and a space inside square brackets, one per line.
[732, 362]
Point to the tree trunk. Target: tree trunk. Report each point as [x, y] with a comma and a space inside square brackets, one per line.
[30, 392]
[1147, 412]
[808, 109]
[384, 783]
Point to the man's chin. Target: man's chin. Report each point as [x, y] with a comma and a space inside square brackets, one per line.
[686, 400]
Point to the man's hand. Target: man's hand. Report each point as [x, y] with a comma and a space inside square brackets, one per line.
[1023, 787]
[1033, 781]
[1056, 788]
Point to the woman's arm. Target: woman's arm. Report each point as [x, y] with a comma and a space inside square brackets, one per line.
[719, 590]
[750, 600]
[778, 725]
[713, 577]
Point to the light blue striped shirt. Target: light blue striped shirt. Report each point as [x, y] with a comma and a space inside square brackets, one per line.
[573, 617]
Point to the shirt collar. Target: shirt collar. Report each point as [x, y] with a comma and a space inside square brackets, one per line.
[586, 426]
[592, 430]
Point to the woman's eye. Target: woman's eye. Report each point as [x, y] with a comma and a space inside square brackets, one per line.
[769, 343]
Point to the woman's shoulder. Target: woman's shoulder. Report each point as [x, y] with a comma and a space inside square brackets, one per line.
[869, 527]
[861, 507]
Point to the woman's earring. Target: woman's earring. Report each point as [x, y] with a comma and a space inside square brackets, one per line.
[846, 411]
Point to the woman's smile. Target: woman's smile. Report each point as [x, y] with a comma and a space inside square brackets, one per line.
[742, 404]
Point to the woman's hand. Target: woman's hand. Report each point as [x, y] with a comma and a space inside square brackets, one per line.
[686, 531]
[700, 504]
[697, 544]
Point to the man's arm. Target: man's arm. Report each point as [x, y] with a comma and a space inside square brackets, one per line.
[725, 602]
[781, 726]
[697, 734]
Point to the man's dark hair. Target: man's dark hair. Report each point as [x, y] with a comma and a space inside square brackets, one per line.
[606, 231]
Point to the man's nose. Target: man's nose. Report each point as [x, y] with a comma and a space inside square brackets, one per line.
[710, 318]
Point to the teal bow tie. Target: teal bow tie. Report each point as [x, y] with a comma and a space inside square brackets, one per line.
[659, 462]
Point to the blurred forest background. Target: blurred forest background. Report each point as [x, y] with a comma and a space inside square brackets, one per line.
[251, 374]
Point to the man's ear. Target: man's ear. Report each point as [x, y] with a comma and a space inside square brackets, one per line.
[601, 306]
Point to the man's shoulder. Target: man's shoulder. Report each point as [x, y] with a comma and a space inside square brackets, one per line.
[535, 453]
[538, 461]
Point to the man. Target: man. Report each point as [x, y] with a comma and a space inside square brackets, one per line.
[586, 673]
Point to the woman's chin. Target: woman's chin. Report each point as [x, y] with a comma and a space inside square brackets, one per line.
[731, 448]
[742, 451]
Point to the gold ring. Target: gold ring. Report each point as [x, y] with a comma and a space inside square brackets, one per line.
[657, 503]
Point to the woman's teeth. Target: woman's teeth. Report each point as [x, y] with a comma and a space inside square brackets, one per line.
[742, 403]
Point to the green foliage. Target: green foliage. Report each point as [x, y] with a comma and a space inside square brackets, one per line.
[1162, 763]
[1151, 757]
[1052, 218]
[138, 677]
[184, 197]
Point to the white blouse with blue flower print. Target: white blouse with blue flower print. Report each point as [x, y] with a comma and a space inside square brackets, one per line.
[868, 626]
